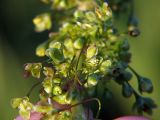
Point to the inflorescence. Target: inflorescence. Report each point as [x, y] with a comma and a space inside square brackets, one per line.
[83, 54]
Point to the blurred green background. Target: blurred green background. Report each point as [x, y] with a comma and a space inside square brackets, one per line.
[18, 42]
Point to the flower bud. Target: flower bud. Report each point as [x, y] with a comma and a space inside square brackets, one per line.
[127, 91]
[144, 104]
[48, 72]
[34, 69]
[145, 85]
[78, 14]
[78, 44]
[40, 50]
[42, 22]
[92, 51]
[90, 16]
[104, 13]
[47, 84]
[57, 90]
[54, 44]
[16, 102]
[133, 31]
[105, 65]
[57, 80]
[92, 80]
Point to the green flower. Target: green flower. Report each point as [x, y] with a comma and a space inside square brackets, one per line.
[55, 54]
[91, 51]
[92, 80]
[42, 22]
[34, 69]
[47, 84]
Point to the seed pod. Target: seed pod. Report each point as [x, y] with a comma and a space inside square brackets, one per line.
[145, 85]
[127, 91]
[92, 51]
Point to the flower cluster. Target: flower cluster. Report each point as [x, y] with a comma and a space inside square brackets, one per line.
[82, 55]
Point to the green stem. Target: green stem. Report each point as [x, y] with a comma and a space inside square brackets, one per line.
[86, 101]
[134, 92]
[136, 74]
[77, 78]
[32, 88]
[78, 59]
